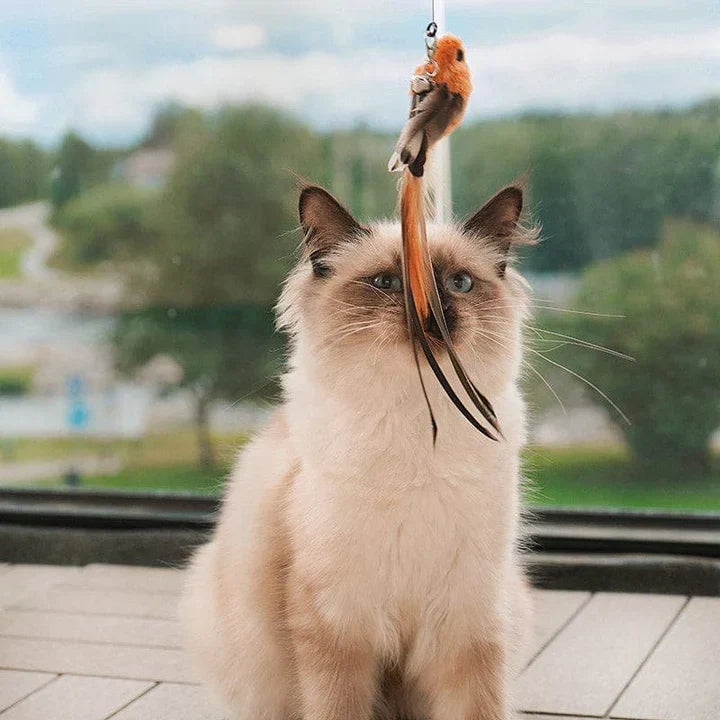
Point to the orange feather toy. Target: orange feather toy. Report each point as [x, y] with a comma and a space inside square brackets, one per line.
[440, 89]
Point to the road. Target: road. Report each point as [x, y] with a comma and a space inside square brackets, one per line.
[44, 286]
[32, 219]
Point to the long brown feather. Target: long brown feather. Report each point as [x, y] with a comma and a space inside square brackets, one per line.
[414, 243]
[422, 298]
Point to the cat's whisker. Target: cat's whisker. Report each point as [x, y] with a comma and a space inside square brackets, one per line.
[344, 335]
[493, 321]
[385, 340]
[382, 293]
[578, 312]
[584, 380]
[583, 343]
[528, 364]
[556, 346]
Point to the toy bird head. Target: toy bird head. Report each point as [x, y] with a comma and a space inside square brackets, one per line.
[452, 67]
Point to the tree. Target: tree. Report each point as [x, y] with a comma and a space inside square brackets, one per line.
[599, 185]
[24, 170]
[74, 163]
[108, 222]
[225, 244]
[224, 352]
[78, 166]
[169, 123]
[671, 306]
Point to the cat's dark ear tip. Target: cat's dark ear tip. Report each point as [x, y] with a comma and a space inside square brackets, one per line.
[323, 218]
[307, 193]
[515, 194]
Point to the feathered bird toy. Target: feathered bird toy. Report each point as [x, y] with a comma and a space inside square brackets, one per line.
[440, 89]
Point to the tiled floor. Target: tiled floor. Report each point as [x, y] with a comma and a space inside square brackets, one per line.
[101, 642]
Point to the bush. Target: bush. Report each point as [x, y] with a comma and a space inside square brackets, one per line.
[670, 300]
[13, 244]
[107, 222]
[16, 381]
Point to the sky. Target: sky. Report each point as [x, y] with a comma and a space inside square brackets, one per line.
[102, 67]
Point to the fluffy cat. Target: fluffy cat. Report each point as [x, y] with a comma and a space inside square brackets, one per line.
[356, 570]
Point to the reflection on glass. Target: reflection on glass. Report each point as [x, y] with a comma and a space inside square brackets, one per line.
[148, 206]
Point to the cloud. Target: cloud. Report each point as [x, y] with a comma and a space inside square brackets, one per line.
[581, 71]
[548, 71]
[239, 37]
[17, 113]
[82, 54]
[113, 99]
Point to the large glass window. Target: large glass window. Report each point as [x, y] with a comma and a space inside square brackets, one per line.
[148, 201]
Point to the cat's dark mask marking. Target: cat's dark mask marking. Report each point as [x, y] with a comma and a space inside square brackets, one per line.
[497, 220]
[325, 223]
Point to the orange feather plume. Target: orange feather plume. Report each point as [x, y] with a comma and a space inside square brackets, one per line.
[412, 217]
[440, 88]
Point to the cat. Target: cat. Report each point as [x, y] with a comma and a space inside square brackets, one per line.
[357, 570]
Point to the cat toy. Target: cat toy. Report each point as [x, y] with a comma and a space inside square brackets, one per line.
[439, 89]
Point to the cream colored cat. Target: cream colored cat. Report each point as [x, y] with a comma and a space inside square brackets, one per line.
[356, 570]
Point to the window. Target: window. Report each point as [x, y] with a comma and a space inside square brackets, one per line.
[147, 210]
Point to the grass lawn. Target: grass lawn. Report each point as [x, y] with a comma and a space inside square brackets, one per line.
[177, 449]
[179, 478]
[16, 380]
[606, 478]
[577, 476]
[157, 462]
[12, 245]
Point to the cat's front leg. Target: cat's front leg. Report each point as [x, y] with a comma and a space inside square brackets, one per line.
[467, 682]
[335, 666]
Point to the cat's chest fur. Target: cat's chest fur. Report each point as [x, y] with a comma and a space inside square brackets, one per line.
[387, 527]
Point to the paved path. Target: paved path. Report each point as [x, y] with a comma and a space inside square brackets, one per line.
[22, 473]
[32, 219]
[44, 286]
[102, 642]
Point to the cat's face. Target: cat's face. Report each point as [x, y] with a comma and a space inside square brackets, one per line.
[345, 303]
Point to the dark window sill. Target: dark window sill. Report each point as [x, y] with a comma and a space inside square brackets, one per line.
[589, 549]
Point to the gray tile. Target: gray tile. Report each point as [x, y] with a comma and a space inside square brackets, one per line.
[534, 716]
[147, 632]
[20, 582]
[15, 685]
[681, 679]
[553, 608]
[122, 661]
[586, 666]
[102, 602]
[130, 577]
[77, 698]
[172, 702]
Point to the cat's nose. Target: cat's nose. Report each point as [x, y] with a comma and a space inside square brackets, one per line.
[433, 329]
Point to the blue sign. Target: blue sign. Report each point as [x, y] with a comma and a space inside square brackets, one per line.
[78, 415]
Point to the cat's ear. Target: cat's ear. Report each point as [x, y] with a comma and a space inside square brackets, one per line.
[325, 222]
[498, 221]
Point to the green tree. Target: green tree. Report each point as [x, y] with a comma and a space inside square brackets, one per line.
[108, 222]
[224, 352]
[671, 306]
[169, 123]
[24, 170]
[78, 167]
[226, 243]
[75, 162]
[599, 185]
[230, 207]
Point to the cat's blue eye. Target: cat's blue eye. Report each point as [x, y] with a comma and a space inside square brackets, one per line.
[461, 282]
[388, 282]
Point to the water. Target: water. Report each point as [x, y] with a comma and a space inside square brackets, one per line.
[27, 328]
[61, 346]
